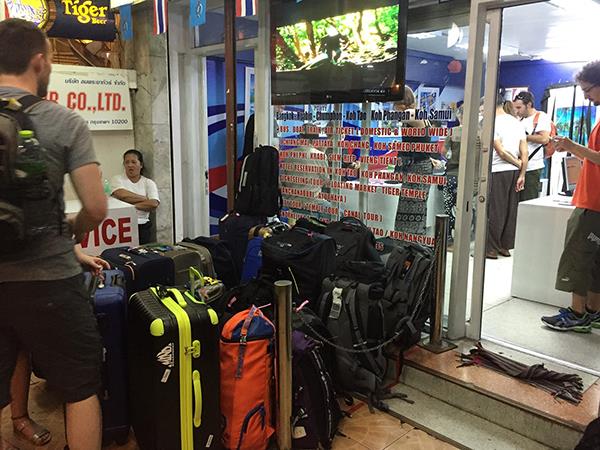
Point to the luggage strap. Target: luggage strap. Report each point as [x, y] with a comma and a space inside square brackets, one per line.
[359, 340]
[243, 340]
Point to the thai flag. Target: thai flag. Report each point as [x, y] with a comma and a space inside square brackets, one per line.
[3, 10]
[160, 16]
[246, 8]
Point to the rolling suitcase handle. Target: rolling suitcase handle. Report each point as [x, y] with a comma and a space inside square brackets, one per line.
[196, 279]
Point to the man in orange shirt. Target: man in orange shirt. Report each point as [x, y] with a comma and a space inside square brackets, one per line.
[579, 268]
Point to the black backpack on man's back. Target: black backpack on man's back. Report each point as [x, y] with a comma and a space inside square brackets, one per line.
[28, 205]
[258, 188]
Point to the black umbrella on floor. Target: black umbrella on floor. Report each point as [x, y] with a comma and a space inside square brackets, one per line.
[561, 385]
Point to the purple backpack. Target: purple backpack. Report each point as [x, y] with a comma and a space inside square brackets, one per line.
[315, 411]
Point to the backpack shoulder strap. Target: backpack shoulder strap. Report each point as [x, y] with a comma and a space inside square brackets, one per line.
[19, 111]
[29, 101]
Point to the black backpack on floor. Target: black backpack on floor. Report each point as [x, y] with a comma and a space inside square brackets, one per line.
[258, 191]
[408, 293]
[233, 229]
[301, 256]
[353, 240]
[312, 224]
[316, 413]
[354, 315]
[258, 292]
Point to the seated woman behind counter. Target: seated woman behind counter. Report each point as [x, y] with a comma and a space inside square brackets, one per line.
[134, 188]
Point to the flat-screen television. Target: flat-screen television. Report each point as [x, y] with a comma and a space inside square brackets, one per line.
[338, 51]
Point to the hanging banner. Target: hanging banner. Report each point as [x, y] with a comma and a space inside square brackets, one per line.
[2, 10]
[100, 96]
[126, 22]
[160, 16]
[245, 8]
[197, 13]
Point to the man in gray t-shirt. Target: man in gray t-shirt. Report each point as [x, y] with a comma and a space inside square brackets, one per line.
[43, 303]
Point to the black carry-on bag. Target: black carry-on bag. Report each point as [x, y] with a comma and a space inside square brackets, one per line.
[174, 371]
[301, 256]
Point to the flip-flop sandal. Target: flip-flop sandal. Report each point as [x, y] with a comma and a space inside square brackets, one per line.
[5, 445]
[29, 430]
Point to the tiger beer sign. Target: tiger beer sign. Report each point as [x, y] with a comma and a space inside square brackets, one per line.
[73, 19]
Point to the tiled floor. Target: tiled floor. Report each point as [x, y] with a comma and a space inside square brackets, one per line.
[362, 431]
[380, 431]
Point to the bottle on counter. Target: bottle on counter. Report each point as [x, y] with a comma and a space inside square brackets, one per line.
[107, 189]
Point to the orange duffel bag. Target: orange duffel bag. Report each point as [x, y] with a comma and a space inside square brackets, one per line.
[247, 380]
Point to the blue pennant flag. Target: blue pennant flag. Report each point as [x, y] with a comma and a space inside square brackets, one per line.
[126, 22]
[197, 12]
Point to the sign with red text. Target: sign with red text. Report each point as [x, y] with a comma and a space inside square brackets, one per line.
[100, 96]
[118, 229]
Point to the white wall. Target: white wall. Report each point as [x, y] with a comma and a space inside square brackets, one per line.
[109, 146]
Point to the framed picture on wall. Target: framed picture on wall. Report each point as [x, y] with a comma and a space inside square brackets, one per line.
[428, 98]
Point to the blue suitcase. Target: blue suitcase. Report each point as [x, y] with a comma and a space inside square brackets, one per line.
[253, 259]
[142, 267]
[110, 307]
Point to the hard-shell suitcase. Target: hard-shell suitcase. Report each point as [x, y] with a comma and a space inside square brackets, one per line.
[225, 268]
[110, 307]
[142, 268]
[174, 371]
[183, 258]
[208, 266]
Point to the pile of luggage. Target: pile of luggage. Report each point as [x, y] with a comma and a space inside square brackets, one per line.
[189, 330]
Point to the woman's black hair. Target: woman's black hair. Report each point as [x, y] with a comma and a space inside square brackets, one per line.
[139, 155]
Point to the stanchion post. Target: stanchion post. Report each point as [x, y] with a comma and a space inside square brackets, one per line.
[283, 294]
[435, 343]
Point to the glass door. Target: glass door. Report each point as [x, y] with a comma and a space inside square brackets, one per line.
[468, 258]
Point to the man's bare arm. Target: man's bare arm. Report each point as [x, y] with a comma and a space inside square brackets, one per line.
[542, 138]
[563, 144]
[88, 186]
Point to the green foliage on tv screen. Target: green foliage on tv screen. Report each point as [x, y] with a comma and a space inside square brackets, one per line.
[358, 38]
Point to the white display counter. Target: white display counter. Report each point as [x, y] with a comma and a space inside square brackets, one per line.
[118, 229]
[541, 227]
